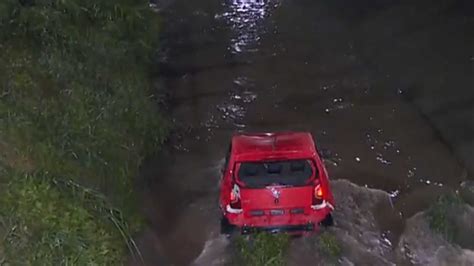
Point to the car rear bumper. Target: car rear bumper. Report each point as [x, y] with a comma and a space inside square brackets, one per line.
[307, 220]
[278, 229]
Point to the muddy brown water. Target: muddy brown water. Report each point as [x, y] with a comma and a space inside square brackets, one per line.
[386, 88]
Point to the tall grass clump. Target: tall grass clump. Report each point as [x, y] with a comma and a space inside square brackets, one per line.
[262, 249]
[441, 215]
[329, 246]
[77, 116]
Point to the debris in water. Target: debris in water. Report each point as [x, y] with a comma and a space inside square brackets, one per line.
[389, 144]
[395, 193]
[411, 172]
[382, 160]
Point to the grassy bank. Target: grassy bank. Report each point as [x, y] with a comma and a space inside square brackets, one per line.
[77, 116]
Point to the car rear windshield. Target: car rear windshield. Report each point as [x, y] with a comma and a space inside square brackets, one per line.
[262, 174]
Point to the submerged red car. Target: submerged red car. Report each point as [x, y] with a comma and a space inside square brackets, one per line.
[274, 182]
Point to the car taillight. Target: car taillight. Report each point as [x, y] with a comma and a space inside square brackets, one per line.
[235, 197]
[318, 192]
[318, 195]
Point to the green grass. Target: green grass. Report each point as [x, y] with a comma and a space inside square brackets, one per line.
[77, 117]
[440, 215]
[47, 227]
[329, 246]
[262, 249]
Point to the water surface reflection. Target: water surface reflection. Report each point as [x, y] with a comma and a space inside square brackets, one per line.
[245, 18]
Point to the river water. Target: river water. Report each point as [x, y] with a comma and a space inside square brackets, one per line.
[386, 88]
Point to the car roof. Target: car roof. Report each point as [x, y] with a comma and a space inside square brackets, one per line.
[277, 145]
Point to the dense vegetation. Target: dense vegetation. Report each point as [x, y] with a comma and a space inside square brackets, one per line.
[77, 115]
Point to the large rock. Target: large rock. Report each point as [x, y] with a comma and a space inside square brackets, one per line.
[355, 230]
[421, 246]
[362, 241]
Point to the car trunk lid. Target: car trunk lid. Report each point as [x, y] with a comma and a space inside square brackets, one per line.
[276, 200]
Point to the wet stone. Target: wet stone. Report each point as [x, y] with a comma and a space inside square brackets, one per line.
[421, 246]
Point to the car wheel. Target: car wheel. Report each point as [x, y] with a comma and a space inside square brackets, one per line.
[227, 228]
[327, 221]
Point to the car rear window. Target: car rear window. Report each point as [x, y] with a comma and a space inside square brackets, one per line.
[261, 174]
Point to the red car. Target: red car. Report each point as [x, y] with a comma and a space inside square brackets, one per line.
[274, 182]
